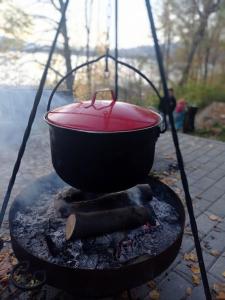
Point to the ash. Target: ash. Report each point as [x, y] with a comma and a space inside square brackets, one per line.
[41, 231]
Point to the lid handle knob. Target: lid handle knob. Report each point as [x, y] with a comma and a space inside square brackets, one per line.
[103, 90]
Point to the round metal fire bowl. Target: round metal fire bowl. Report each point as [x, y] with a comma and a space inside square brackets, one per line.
[106, 282]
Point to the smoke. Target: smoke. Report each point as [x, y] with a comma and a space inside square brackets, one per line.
[15, 107]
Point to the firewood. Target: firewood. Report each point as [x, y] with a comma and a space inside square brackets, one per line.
[91, 224]
[135, 196]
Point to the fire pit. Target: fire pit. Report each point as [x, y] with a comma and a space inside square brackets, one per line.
[94, 266]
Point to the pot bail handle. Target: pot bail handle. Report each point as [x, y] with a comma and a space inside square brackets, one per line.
[103, 90]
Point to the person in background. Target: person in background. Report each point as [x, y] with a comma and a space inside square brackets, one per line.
[179, 114]
[163, 106]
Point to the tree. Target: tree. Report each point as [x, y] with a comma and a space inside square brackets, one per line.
[88, 9]
[167, 27]
[205, 9]
[59, 5]
[15, 25]
[192, 33]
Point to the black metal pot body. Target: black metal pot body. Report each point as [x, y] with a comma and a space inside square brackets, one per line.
[102, 162]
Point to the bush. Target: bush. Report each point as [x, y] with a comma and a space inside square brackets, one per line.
[201, 94]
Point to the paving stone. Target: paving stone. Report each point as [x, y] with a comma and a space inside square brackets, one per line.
[204, 183]
[212, 166]
[173, 287]
[204, 223]
[220, 157]
[212, 194]
[216, 174]
[198, 291]
[191, 179]
[216, 151]
[222, 166]
[204, 158]
[189, 158]
[214, 240]
[221, 184]
[201, 205]
[221, 225]
[194, 191]
[218, 208]
[198, 174]
[184, 267]
[209, 259]
[198, 152]
[218, 268]
[187, 243]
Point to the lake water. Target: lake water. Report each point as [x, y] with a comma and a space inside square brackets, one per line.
[21, 68]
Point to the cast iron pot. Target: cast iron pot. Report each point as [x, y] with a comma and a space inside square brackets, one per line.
[103, 145]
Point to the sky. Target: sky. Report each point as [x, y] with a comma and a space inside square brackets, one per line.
[133, 24]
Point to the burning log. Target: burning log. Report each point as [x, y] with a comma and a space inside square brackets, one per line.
[90, 224]
[138, 195]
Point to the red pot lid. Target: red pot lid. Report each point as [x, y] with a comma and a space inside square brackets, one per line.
[103, 116]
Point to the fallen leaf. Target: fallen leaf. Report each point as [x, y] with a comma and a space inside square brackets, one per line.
[191, 256]
[13, 260]
[188, 231]
[196, 279]
[170, 157]
[220, 296]
[6, 266]
[188, 291]
[6, 238]
[177, 190]
[214, 218]
[219, 287]
[152, 284]
[195, 269]
[154, 295]
[214, 252]
[4, 279]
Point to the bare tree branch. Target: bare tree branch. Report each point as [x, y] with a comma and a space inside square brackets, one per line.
[48, 19]
[56, 7]
[196, 4]
[212, 7]
[51, 68]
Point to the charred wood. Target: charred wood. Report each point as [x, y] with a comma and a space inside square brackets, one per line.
[73, 200]
[83, 225]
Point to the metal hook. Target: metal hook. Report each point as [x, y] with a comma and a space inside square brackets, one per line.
[106, 75]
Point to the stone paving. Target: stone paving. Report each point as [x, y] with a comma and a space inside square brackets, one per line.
[205, 166]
